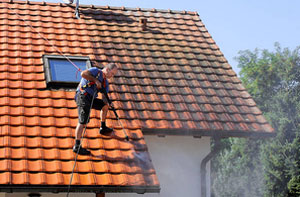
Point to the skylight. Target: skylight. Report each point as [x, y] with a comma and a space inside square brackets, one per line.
[60, 71]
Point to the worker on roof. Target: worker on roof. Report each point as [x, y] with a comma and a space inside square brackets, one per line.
[93, 80]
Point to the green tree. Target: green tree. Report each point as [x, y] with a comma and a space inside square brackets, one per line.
[273, 80]
[240, 172]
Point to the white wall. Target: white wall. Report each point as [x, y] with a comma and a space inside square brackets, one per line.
[177, 162]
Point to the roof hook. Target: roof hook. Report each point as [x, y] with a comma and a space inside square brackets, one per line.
[77, 10]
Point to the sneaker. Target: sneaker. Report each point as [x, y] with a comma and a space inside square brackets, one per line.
[82, 151]
[105, 131]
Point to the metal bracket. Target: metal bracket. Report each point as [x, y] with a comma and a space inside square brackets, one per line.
[77, 10]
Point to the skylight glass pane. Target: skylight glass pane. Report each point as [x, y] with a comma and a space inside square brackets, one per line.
[63, 70]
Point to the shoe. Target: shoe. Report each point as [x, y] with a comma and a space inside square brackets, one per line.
[82, 151]
[105, 131]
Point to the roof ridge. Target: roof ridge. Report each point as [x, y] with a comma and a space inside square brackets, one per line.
[123, 8]
[31, 2]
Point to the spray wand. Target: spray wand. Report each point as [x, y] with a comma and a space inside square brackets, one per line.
[115, 112]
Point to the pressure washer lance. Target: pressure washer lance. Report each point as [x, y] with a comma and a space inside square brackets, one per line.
[115, 112]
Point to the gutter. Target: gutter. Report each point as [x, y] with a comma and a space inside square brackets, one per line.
[209, 133]
[205, 160]
[79, 189]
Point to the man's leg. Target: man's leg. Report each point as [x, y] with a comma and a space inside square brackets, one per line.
[78, 135]
[104, 130]
[103, 113]
[78, 131]
[83, 114]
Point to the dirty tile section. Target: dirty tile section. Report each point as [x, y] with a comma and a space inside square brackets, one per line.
[173, 79]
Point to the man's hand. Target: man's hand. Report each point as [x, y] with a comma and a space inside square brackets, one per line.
[87, 75]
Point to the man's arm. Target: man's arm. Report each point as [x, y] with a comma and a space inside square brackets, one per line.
[88, 76]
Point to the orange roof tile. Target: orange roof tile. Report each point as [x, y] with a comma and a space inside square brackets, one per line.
[173, 80]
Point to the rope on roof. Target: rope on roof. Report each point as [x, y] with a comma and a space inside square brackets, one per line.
[78, 70]
[44, 38]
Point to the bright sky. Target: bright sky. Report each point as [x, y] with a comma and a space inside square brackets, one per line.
[234, 24]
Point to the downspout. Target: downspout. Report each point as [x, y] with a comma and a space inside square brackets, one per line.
[100, 194]
[206, 159]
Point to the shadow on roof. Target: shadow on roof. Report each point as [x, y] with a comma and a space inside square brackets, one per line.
[98, 14]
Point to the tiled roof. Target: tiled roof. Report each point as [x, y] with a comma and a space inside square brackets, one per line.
[173, 80]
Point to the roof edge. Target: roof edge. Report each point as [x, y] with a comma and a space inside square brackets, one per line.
[209, 133]
[80, 189]
[189, 12]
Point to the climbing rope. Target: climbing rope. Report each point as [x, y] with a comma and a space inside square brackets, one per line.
[43, 37]
[78, 70]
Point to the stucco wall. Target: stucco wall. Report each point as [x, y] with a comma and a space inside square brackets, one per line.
[177, 162]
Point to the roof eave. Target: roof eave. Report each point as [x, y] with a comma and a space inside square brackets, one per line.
[209, 133]
[79, 189]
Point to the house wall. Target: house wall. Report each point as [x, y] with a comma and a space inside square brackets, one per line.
[177, 163]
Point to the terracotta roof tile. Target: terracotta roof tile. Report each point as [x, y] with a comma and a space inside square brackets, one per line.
[35, 166]
[19, 178]
[49, 153]
[18, 165]
[104, 179]
[33, 131]
[35, 153]
[66, 154]
[100, 166]
[37, 178]
[4, 165]
[54, 179]
[17, 153]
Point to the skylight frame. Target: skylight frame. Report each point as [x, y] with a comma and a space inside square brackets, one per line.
[57, 83]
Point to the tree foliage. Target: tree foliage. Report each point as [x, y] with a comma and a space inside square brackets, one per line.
[273, 80]
[239, 170]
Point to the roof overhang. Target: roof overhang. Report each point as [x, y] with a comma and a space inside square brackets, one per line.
[79, 189]
[210, 133]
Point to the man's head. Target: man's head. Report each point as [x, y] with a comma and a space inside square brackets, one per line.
[110, 70]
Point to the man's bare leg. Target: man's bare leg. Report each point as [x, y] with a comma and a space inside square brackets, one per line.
[78, 131]
[104, 130]
[78, 134]
[103, 113]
